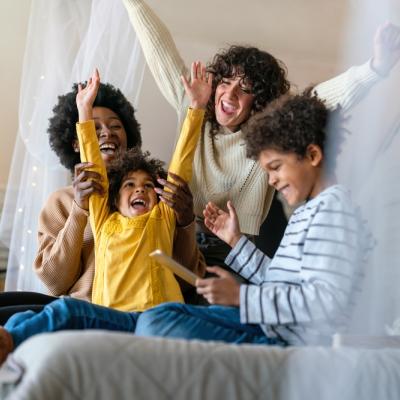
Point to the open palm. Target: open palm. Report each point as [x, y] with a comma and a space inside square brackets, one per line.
[200, 86]
[222, 224]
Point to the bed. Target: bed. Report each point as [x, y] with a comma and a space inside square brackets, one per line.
[98, 365]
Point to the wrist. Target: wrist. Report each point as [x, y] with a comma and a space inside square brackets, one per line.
[85, 113]
[233, 241]
[379, 67]
[184, 222]
[197, 106]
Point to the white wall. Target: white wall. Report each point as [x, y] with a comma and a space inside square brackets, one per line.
[13, 23]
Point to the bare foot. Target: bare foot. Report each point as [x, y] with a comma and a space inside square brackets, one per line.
[6, 344]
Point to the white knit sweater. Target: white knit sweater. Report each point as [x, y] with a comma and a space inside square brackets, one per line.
[221, 170]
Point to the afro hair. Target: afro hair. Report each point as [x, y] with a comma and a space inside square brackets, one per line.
[62, 130]
[132, 160]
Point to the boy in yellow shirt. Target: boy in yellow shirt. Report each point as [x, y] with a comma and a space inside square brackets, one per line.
[128, 223]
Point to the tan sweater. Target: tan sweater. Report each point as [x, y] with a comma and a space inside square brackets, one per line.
[221, 170]
[65, 258]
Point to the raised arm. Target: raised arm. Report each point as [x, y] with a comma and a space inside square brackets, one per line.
[89, 149]
[162, 56]
[198, 91]
[350, 87]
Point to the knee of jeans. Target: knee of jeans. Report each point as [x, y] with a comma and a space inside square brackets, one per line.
[154, 321]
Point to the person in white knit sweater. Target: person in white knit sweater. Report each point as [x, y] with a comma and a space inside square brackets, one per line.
[304, 293]
[246, 79]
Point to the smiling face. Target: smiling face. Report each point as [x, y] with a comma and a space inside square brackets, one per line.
[136, 195]
[297, 179]
[233, 101]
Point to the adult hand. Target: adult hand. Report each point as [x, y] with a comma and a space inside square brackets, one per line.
[222, 224]
[179, 197]
[386, 48]
[86, 183]
[223, 289]
[199, 88]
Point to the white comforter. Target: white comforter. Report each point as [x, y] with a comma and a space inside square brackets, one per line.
[98, 365]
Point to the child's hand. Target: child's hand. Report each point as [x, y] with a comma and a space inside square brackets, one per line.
[200, 86]
[224, 289]
[220, 223]
[386, 48]
[86, 96]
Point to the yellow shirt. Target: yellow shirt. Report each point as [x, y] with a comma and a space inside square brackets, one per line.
[125, 277]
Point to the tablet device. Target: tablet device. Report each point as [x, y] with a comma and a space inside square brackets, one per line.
[175, 267]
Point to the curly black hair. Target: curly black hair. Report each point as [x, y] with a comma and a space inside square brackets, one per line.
[62, 131]
[266, 75]
[132, 160]
[291, 123]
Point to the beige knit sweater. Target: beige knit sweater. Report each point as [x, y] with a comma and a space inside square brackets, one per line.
[221, 170]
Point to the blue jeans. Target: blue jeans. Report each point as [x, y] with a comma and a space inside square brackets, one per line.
[68, 313]
[185, 321]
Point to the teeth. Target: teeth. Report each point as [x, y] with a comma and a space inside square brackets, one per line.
[108, 146]
[138, 201]
[228, 107]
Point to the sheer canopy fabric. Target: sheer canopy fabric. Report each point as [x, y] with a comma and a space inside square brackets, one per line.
[66, 40]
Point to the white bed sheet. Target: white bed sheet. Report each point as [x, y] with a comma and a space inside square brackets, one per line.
[98, 365]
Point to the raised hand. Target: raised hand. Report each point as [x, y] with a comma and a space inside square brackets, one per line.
[178, 196]
[223, 289]
[386, 48]
[86, 96]
[200, 86]
[86, 183]
[222, 224]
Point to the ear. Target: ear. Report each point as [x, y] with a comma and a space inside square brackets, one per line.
[314, 155]
[75, 145]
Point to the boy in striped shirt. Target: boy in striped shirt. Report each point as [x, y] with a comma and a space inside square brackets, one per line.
[304, 293]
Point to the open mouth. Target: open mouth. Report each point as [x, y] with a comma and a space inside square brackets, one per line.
[139, 204]
[228, 108]
[108, 148]
[284, 190]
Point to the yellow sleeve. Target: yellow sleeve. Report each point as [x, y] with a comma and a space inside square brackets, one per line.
[182, 159]
[90, 152]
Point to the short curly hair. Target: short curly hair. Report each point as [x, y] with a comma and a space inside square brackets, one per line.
[266, 75]
[62, 130]
[132, 160]
[290, 124]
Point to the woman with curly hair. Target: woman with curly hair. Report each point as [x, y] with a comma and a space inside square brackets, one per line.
[245, 80]
[65, 257]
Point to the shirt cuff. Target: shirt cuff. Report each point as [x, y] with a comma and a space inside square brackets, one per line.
[232, 256]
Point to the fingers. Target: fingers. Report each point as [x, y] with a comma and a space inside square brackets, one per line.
[78, 168]
[178, 179]
[231, 209]
[198, 70]
[222, 273]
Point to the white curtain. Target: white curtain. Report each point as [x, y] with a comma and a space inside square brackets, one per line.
[65, 41]
[370, 165]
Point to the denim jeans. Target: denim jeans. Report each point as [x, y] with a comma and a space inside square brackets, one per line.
[69, 313]
[185, 321]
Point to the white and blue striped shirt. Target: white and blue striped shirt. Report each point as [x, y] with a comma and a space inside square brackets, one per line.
[304, 293]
